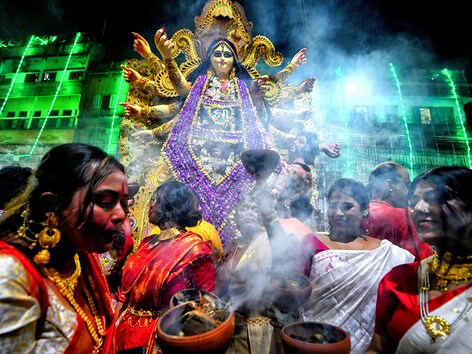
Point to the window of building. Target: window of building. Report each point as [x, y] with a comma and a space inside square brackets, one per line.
[32, 77]
[49, 76]
[11, 114]
[443, 115]
[4, 79]
[391, 114]
[66, 123]
[37, 114]
[54, 113]
[52, 123]
[76, 75]
[106, 102]
[425, 114]
[97, 102]
[22, 123]
[23, 114]
[37, 123]
[6, 123]
[67, 112]
[360, 116]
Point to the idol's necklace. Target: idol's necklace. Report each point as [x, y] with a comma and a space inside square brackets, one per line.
[436, 326]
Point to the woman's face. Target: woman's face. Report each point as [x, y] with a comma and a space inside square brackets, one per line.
[248, 218]
[222, 60]
[426, 212]
[153, 209]
[344, 214]
[104, 218]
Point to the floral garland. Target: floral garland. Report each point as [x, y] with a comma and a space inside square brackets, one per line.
[215, 90]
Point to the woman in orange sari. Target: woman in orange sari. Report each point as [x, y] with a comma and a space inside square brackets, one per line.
[165, 263]
[53, 294]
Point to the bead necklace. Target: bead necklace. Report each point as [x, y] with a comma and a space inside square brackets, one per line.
[65, 290]
[436, 326]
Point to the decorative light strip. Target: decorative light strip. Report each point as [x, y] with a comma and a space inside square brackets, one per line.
[405, 123]
[339, 73]
[77, 37]
[16, 73]
[461, 118]
[110, 137]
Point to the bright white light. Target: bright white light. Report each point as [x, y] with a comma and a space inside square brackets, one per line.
[358, 86]
[351, 88]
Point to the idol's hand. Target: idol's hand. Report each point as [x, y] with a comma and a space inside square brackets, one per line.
[163, 44]
[141, 45]
[131, 109]
[331, 150]
[130, 74]
[307, 85]
[143, 135]
[299, 59]
[260, 86]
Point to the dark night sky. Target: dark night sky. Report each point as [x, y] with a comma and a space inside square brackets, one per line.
[349, 30]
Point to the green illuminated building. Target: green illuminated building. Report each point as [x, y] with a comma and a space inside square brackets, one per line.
[56, 89]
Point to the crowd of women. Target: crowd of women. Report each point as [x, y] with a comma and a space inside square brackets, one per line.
[54, 295]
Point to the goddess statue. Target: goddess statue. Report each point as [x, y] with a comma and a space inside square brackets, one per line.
[196, 118]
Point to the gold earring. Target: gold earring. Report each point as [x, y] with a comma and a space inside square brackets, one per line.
[232, 75]
[48, 238]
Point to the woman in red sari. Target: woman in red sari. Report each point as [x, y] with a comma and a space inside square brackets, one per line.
[165, 263]
[53, 294]
[425, 307]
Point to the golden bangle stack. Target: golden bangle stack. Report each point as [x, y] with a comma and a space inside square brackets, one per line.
[290, 68]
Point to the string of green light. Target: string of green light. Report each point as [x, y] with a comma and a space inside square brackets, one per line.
[405, 123]
[16, 74]
[55, 95]
[110, 137]
[461, 118]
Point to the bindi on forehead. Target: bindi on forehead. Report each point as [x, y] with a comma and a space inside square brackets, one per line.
[223, 49]
[124, 188]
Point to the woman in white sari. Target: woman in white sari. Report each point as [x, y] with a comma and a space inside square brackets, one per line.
[426, 307]
[349, 265]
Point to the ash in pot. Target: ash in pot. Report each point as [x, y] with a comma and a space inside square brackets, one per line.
[198, 317]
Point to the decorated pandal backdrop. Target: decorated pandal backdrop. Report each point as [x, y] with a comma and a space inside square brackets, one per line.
[198, 138]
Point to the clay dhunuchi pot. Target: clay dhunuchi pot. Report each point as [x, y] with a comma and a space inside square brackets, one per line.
[314, 337]
[291, 290]
[214, 341]
[191, 294]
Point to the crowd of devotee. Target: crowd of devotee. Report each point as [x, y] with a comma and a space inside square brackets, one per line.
[96, 250]
[395, 281]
